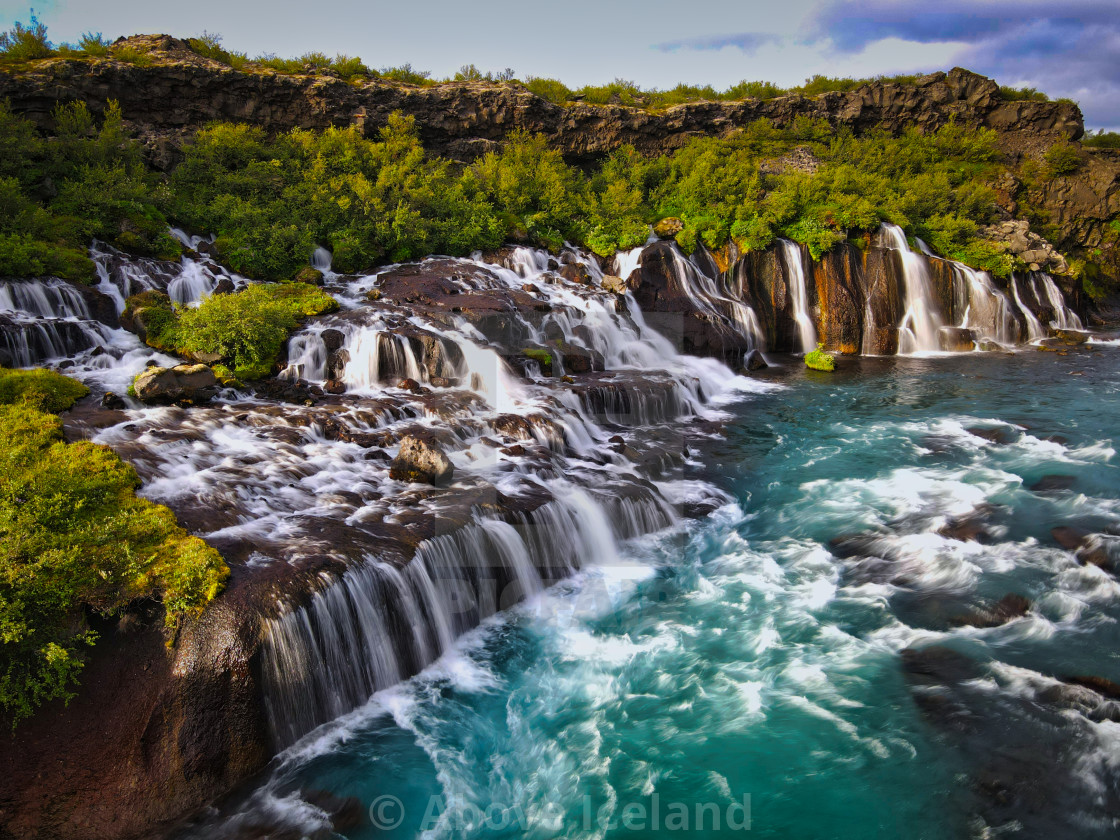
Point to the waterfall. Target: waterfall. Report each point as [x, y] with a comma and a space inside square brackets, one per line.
[703, 293]
[380, 623]
[988, 312]
[1064, 317]
[43, 320]
[920, 327]
[799, 294]
[1034, 326]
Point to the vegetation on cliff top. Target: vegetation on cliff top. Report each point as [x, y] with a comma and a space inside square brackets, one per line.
[75, 540]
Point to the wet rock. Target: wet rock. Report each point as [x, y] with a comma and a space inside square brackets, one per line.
[1000, 435]
[194, 383]
[332, 339]
[1053, 483]
[1069, 538]
[1070, 338]
[1008, 607]
[224, 287]
[1100, 685]
[334, 386]
[614, 285]
[309, 275]
[576, 273]
[969, 528]
[956, 339]
[113, 401]
[754, 361]
[337, 362]
[990, 346]
[411, 385]
[421, 461]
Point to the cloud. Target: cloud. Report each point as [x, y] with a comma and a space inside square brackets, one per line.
[747, 42]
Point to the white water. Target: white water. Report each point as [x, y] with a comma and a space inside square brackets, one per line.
[799, 294]
[1035, 330]
[919, 330]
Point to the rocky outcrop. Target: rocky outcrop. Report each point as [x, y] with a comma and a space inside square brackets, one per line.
[1017, 239]
[182, 383]
[180, 91]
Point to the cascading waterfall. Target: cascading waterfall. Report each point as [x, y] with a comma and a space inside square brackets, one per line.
[1035, 330]
[799, 294]
[1064, 317]
[921, 325]
[704, 294]
[378, 623]
[988, 311]
[42, 320]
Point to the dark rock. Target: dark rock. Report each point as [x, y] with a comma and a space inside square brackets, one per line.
[332, 339]
[113, 401]
[1068, 538]
[754, 361]
[421, 461]
[1053, 483]
[576, 273]
[224, 287]
[194, 383]
[411, 385]
[1104, 687]
[1071, 338]
[1009, 607]
[334, 386]
[957, 339]
[1001, 435]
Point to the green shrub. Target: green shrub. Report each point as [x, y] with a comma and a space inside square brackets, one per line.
[1013, 94]
[131, 55]
[551, 89]
[1062, 158]
[75, 537]
[25, 43]
[1102, 140]
[248, 329]
[819, 360]
[406, 74]
[209, 45]
[44, 389]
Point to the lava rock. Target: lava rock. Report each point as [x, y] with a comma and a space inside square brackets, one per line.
[1007, 608]
[956, 339]
[193, 383]
[754, 361]
[421, 461]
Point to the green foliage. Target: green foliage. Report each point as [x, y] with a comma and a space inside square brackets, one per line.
[74, 537]
[819, 360]
[531, 182]
[272, 200]
[1063, 158]
[247, 329]
[87, 181]
[551, 89]
[470, 73]
[25, 43]
[1102, 140]
[1012, 94]
[538, 355]
[406, 74]
[209, 45]
[131, 55]
[44, 389]
[753, 90]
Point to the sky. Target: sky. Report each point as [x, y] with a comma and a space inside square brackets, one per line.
[1069, 49]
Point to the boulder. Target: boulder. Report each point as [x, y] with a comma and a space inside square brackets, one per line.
[182, 383]
[614, 285]
[332, 339]
[309, 275]
[421, 461]
[1008, 608]
[957, 339]
[668, 228]
[754, 361]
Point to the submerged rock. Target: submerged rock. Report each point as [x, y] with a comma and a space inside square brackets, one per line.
[1007, 608]
[421, 461]
[191, 383]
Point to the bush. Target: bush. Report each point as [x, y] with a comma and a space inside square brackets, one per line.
[551, 89]
[247, 329]
[1062, 158]
[406, 74]
[1012, 94]
[1102, 140]
[209, 45]
[25, 43]
[819, 360]
[74, 537]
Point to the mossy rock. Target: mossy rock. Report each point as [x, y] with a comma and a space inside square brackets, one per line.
[309, 275]
[820, 360]
[668, 228]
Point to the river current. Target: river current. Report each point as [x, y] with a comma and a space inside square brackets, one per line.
[830, 654]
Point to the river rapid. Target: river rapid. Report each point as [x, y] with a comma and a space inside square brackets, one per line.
[830, 654]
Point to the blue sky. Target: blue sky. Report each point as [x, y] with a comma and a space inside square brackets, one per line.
[1065, 48]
